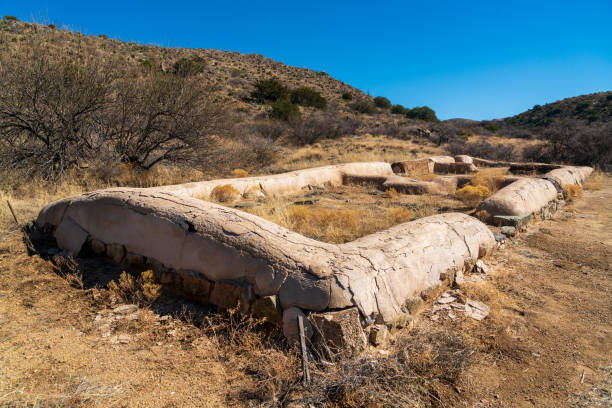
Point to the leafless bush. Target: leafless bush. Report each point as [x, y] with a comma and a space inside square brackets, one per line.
[326, 125]
[48, 111]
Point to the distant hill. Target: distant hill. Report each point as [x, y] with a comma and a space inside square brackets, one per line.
[592, 109]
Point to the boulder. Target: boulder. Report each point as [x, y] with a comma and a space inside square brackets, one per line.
[508, 231]
[520, 197]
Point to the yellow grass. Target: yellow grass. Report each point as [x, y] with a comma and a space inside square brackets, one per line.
[572, 192]
[225, 193]
[595, 181]
[238, 173]
[472, 195]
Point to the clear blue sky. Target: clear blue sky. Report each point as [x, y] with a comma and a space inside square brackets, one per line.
[473, 59]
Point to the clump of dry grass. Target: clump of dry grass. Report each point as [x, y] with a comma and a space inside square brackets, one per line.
[572, 191]
[225, 193]
[472, 195]
[391, 193]
[493, 179]
[239, 173]
[142, 290]
[483, 215]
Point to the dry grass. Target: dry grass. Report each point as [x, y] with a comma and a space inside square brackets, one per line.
[595, 181]
[572, 192]
[239, 173]
[493, 179]
[142, 290]
[225, 193]
[472, 195]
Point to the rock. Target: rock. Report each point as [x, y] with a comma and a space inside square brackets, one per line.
[339, 331]
[512, 220]
[115, 252]
[508, 231]
[267, 308]
[375, 192]
[125, 309]
[476, 310]
[121, 339]
[245, 204]
[378, 334]
[98, 247]
[480, 267]
[307, 202]
[290, 324]
[499, 237]
[445, 300]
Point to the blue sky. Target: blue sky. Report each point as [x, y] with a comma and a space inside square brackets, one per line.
[472, 59]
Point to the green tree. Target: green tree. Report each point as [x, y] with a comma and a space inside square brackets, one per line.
[422, 113]
[269, 90]
[283, 109]
[382, 102]
[308, 97]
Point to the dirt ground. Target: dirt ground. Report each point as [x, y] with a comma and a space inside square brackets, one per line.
[545, 343]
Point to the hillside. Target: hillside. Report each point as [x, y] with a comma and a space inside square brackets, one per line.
[593, 109]
[230, 74]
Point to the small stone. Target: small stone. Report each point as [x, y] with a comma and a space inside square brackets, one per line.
[378, 334]
[476, 310]
[307, 202]
[290, 324]
[508, 231]
[446, 299]
[125, 309]
[132, 316]
[375, 192]
[499, 237]
[245, 204]
[480, 267]
[121, 339]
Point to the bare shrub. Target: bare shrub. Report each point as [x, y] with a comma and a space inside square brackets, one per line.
[48, 111]
[493, 179]
[238, 173]
[327, 125]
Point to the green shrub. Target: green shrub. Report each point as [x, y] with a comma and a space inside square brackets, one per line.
[490, 126]
[464, 134]
[11, 18]
[382, 102]
[186, 67]
[423, 113]
[398, 109]
[269, 90]
[347, 96]
[283, 109]
[308, 97]
[363, 107]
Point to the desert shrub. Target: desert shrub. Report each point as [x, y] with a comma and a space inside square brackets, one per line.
[318, 126]
[572, 191]
[464, 134]
[484, 149]
[490, 126]
[321, 223]
[239, 173]
[382, 102]
[398, 109]
[268, 129]
[493, 179]
[186, 67]
[308, 97]
[363, 107]
[283, 109]
[422, 113]
[595, 181]
[225, 193]
[472, 195]
[10, 18]
[269, 90]
[347, 96]
[140, 290]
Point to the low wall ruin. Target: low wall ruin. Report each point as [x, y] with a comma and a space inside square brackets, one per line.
[220, 255]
